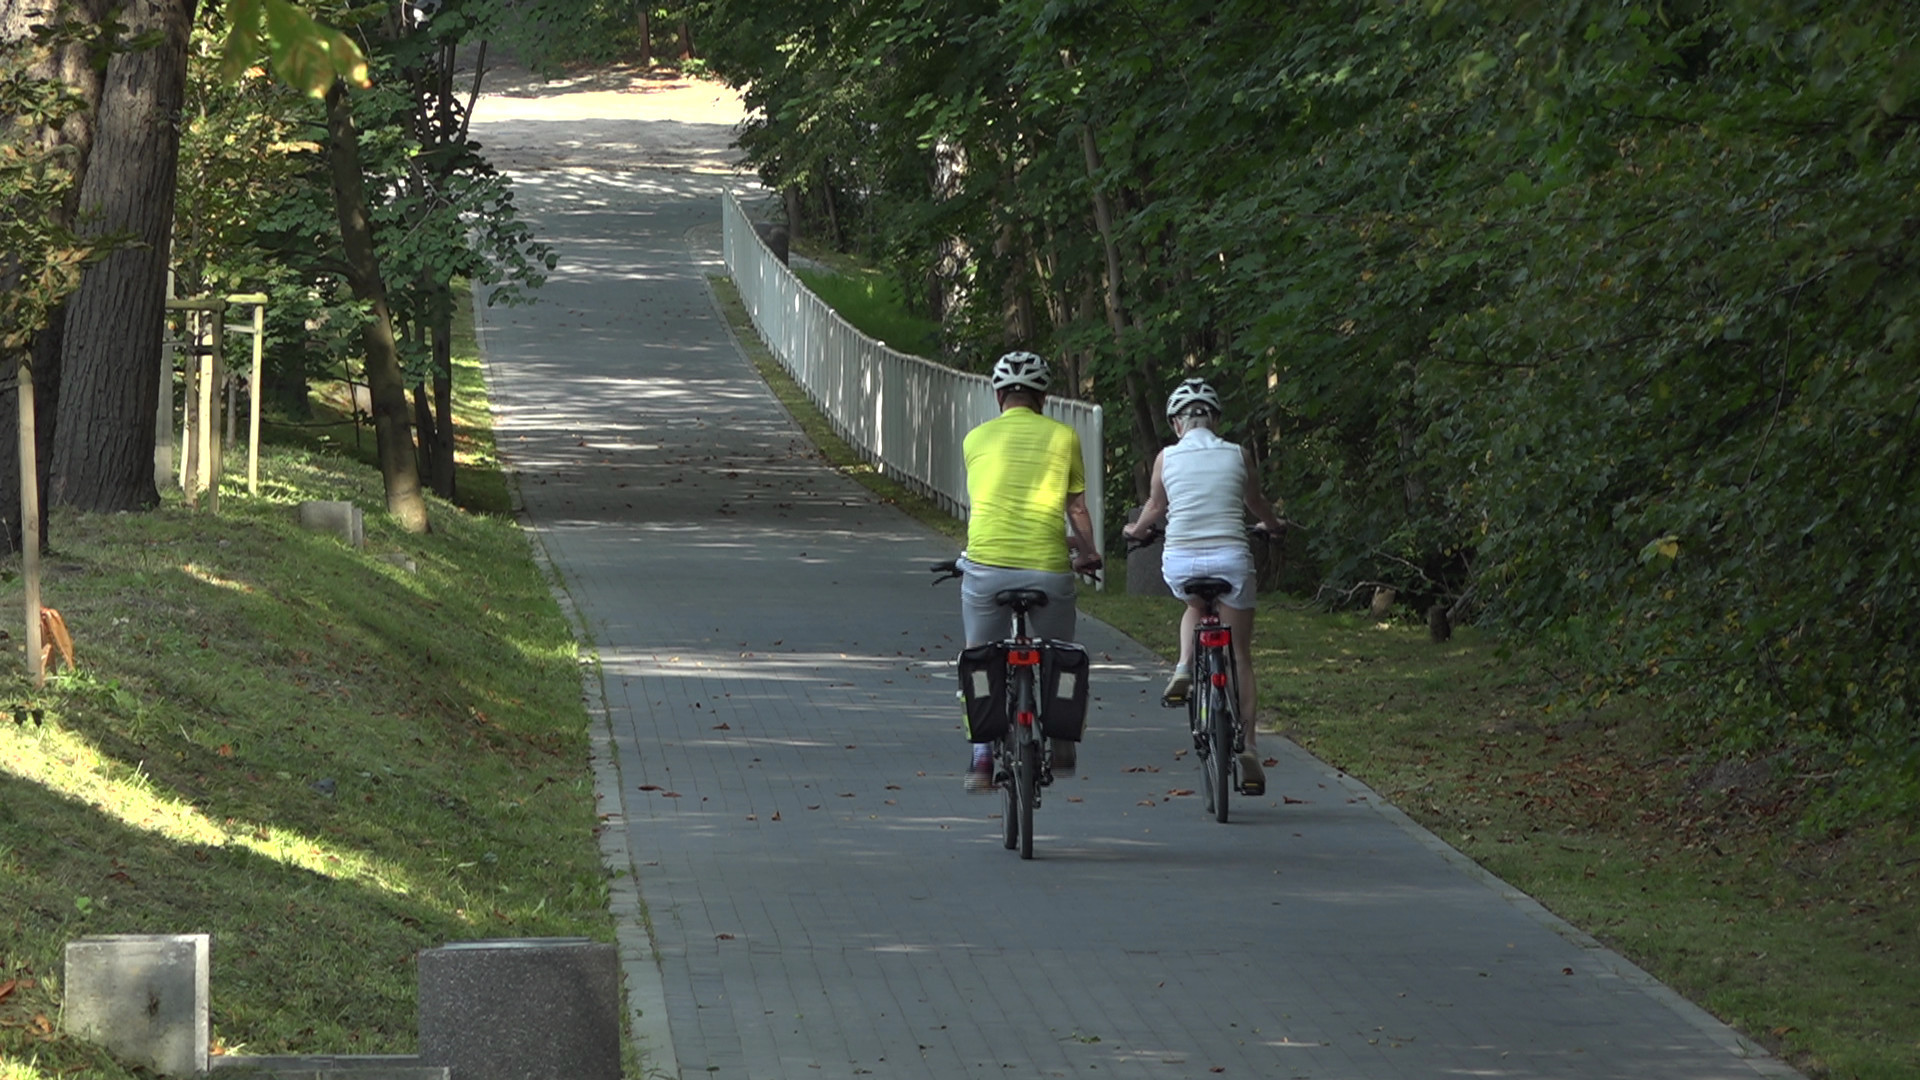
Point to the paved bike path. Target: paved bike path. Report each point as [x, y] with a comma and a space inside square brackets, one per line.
[824, 898]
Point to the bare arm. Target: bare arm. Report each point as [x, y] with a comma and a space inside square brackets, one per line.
[1154, 511]
[1257, 499]
[1080, 542]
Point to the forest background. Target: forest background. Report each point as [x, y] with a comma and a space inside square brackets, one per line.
[1591, 322]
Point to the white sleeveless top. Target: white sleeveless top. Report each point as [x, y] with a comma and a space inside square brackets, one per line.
[1206, 481]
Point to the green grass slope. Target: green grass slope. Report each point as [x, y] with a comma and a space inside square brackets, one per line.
[328, 759]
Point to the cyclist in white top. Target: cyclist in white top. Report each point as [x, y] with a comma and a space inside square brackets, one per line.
[1201, 487]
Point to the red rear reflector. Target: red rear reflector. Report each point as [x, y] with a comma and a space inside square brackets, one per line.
[1219, 678]
[1023, 657]
[1026, 719]
[1216, 639]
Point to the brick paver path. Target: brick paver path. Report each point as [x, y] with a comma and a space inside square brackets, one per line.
[826, 901]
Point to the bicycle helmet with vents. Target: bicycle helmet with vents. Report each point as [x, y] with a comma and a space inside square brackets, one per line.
[1193, 392]
[1022, 371]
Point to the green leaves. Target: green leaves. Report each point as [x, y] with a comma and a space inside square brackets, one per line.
[1605, 310]
[304, 53]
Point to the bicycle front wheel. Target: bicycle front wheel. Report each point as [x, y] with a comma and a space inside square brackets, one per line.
[1026, 781]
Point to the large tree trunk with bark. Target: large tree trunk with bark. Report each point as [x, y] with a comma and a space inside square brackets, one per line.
[393, 432]
[71, 64]
[109, 379]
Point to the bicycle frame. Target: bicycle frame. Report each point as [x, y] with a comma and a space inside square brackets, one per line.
[1218, 740]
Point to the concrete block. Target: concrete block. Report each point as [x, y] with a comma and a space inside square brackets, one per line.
[522, 1009]
[142, 996]
[326, 1067]
[342, 519]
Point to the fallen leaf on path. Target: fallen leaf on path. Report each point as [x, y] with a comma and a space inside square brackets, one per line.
[1291, 801]
[1143, 768]
[723, 726]
[1181, 791]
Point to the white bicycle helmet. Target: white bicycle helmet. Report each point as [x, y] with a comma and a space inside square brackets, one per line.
[1022, 370]
[1190, 393]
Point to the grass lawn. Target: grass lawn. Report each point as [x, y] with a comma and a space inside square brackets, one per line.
[874, 304]
[1689, 864]
[328, 759]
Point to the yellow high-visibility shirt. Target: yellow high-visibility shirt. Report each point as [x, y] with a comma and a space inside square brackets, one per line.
[1021, 467]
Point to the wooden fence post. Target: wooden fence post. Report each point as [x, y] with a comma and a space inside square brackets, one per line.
[30, 519]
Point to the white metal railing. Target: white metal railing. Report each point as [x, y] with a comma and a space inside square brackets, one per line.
[905, 415]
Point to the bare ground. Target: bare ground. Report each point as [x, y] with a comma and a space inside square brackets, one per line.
[607, 118]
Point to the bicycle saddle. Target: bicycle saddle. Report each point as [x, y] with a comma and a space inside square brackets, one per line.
[1021, 599]
[1207, 588]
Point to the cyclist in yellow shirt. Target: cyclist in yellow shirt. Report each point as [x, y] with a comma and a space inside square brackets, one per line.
[1024, 476]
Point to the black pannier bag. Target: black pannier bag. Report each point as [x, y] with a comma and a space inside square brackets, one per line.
[1065, 679]
[983, 686]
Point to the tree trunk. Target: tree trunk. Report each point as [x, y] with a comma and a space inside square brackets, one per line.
[646, 34]
[1146, 437]
[109, 372]
[443, 457]
[72, 65]
[399, 466]
[686, 40]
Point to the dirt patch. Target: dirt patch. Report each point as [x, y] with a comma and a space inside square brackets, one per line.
[608, 118]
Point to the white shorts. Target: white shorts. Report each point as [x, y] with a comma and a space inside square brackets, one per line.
[1230, 561]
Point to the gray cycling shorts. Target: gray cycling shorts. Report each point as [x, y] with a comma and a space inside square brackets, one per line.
[986, 621]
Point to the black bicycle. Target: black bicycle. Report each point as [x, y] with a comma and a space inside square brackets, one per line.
[1213, 695]
[1009, 687]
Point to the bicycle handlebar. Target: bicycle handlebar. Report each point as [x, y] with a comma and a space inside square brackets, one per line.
[1159, 532]
[951, 569]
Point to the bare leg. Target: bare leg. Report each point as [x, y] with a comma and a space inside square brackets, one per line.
[1189, 619]
[1241, 623]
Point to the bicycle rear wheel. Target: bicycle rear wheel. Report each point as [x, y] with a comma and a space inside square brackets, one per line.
[1026, 782]
[1200, 720]
[1009, 808]
[1220, 766]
